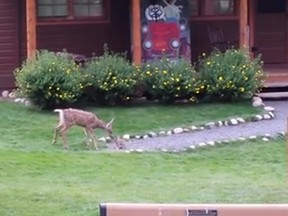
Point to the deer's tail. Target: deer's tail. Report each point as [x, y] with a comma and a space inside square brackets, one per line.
[61, 115]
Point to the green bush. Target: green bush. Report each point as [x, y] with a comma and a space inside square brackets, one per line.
[232, 75]
[170, 81]
[50, 79]
[112, 78]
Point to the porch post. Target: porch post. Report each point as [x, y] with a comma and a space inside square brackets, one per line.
[31, 27]
[243, 24]
[136, 31]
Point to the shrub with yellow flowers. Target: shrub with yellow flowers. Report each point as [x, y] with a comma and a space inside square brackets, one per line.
[50, 79]
[231, 75]
[169, 81]
[112, 78]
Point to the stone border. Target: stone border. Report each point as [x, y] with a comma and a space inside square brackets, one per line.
[201, 145]
[268, 114]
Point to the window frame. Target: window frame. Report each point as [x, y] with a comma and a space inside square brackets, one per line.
[71, 19]
[202, 16]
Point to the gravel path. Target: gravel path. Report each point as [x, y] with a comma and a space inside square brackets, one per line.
[177, 142]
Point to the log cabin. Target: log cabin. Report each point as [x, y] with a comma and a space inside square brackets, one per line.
[143, 29]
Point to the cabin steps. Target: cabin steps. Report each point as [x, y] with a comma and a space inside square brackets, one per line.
[276, 86]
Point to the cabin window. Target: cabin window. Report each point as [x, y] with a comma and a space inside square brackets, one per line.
[71, 10]
[212, 7]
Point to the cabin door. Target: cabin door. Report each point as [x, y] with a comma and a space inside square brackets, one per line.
[270, 33]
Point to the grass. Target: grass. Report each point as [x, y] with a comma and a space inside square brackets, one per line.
[37, 178]
[74, 183]
[30, 129]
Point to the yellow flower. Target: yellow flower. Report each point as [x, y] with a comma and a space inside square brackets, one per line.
[220, 78]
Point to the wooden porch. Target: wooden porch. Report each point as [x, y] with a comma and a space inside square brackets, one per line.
[277, 75]
[276, 85]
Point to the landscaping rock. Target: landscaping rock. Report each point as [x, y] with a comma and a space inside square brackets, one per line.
[178, 130]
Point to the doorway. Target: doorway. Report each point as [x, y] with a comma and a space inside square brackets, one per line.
[270, 35]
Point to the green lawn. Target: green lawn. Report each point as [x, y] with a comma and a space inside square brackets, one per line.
[31, 129]
[74, 183]
[37, 178]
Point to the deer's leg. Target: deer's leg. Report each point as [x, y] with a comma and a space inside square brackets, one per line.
[63, 134]
[91, 134]
[86, 137]
[56, 131]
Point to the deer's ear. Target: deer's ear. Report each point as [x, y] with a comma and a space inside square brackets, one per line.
[109, 124]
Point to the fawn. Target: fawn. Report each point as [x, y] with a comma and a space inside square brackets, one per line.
[70, 117]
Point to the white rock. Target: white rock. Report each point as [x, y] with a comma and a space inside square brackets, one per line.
[12, 95]
[178, 130]
[145, 137]
[139, 150]
[265, 139]
[241, 120]
[202, 144]
[267, 135]
[211, 143]
[169, 133]
[256, 98]
[5, 94]
[152, 134]
[192, 147]
[28, 103]
[269, 108]
[271, 114]
[234, 122]
[259, 117]
[257, 101]
[161, 133]
[220, 123]
[186, 130]
[241, 138]
[210, 124]
[257, 104]
[137, 137]
[193, 128]
[101, 139]
[126, 137]
[17, 100]
[266, 116]
[253, 137]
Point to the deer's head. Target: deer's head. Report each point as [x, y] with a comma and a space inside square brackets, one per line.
[108, 126]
